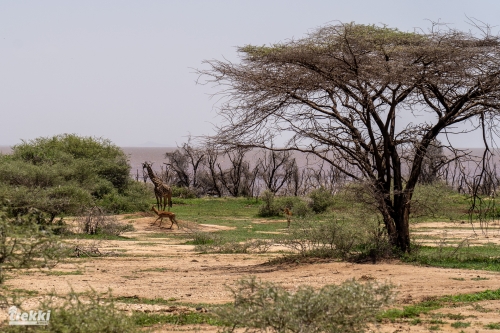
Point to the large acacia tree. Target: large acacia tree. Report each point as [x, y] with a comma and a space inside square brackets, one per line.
[369, 100]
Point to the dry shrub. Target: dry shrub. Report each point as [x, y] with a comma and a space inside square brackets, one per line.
[84, 248]
[347, 239]
[267, 307]
[24, 243]
[184, 192]
[95, 221]
[88, 312]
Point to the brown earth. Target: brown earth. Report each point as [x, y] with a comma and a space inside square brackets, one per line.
[155, 266]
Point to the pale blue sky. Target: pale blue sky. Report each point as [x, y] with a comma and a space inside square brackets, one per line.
[122, 69]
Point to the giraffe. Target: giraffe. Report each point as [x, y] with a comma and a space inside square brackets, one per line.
[163, 192]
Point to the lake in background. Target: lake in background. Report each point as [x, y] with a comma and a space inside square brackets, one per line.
[156, 155]
[136, 155]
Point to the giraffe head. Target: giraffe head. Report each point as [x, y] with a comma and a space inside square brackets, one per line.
[147, 165]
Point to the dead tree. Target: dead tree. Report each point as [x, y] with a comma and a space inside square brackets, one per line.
[178, 165]
[195, 157]
[296, 183]
[250, 182]
[232, 178]
[483, 191]
[276, 169]
[210, 175]
[432, 163]
[185, 162]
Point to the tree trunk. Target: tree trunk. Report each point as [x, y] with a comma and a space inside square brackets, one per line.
[396, 218]
[402, 222]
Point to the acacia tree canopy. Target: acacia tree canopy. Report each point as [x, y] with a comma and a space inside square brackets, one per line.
[366, 99]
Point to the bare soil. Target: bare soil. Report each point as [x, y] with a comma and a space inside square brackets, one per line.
[155, 266]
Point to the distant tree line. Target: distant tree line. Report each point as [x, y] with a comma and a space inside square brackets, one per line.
[237, 171]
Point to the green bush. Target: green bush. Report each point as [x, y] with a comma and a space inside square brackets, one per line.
[135, 199]
[332, 238]
[298, 206]
[435, 200]
[214, 243]
[267, 307]
[274, 206]
[204, 238]
[268, 207]
[183, 192]
[61, 174]
[86, 155]
[322, 199]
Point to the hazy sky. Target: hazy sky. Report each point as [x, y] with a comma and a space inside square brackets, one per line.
[123, 69]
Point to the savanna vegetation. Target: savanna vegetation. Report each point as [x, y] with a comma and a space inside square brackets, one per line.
[339, 92]
[46, 180]
[333, 222]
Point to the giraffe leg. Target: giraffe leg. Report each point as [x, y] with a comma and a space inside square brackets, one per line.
[157, 201]
[169, 197]
[164, 203]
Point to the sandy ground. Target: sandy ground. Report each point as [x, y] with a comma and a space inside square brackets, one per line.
[156, 267]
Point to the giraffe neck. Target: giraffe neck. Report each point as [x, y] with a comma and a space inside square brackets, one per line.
[157, 181]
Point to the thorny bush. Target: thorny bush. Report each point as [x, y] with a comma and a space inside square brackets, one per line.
[267, 307]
